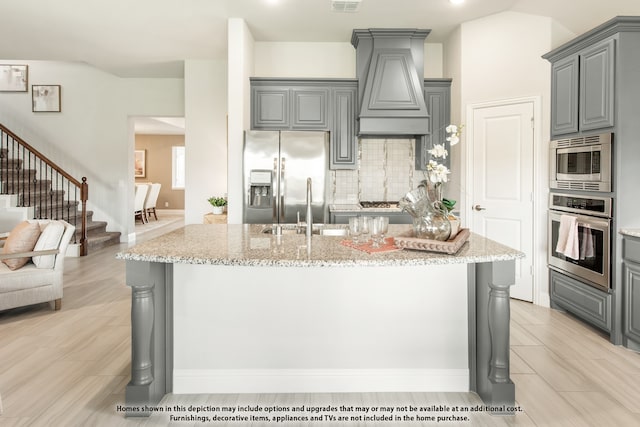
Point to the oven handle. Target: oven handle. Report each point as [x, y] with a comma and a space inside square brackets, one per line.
[591, 222]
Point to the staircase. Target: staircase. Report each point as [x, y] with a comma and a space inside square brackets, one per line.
[42, 190]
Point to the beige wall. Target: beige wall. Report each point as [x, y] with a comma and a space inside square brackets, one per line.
[158, 156]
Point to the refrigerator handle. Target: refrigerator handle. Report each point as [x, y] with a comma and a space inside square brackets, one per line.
[274, 192]
[281, 187]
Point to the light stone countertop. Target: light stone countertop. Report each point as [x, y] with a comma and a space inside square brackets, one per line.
[245, 245]
[632, 232]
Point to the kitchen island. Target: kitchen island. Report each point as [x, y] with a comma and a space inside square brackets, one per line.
[230, 309]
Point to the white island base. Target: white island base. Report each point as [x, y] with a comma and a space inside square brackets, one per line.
[318, 329]
[226, 309]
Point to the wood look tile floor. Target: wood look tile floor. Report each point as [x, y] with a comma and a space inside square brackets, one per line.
[70, 368]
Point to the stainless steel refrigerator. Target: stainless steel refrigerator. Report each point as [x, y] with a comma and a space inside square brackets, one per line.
[276, 165]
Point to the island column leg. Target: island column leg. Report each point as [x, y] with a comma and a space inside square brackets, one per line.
[492, 317]
[151, 336]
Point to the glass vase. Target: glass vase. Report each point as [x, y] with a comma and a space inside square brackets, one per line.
[430, 219]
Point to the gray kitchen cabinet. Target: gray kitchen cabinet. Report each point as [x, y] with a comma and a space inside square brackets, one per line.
[286, 107]
[564, 96]
[608, 99]
[596, 86]
[310, 108]
[270, 108]
[310, 104]
[586, 302]
[582, 90]
[437, 95]
[343, 148]
[631, 293]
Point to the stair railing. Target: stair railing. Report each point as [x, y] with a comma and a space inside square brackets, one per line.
[41, 184]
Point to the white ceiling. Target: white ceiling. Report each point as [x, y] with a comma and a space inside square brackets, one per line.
[152, 38]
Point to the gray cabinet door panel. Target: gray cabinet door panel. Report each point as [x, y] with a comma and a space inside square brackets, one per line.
[437, 95]
[343, 137]
[631, 311]
[586, 302]
[564, 96]
[270, 108]
[310, 108]
[596, 86]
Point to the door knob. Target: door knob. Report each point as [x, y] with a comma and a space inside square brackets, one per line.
[479, 208]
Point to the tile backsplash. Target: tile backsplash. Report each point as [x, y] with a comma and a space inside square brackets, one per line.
[386, 172]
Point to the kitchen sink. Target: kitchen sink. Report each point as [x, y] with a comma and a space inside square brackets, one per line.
[318, 229]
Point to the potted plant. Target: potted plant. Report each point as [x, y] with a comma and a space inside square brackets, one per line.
[218, 204]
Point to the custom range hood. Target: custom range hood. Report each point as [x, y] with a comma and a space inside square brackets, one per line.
[390, 72]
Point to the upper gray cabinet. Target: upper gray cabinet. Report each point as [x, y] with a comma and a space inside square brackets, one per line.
[270, 108]
[310, 108]
[310, 104]
[437, 96]
[596, 86]
[343, 137]
[564, 96]
[285, 107]
[582, 90]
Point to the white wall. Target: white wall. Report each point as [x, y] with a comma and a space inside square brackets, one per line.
[92, 136]
[240, 66]
[324, 60]
[498, 58]
[205, 135]
[328, 60]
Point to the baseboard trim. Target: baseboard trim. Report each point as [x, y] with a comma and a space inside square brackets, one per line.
[186, 381]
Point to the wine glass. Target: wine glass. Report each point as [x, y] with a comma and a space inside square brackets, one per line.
[376, 231]
[384, 227]
[365, 224]
[355, 229]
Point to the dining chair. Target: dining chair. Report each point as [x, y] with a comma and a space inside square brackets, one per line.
[138, 205]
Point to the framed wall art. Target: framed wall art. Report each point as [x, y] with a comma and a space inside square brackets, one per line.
[140, 163]
[46, 98]
[14, 78]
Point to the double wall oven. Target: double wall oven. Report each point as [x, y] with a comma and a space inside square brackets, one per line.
[587, 221]
[580, 222]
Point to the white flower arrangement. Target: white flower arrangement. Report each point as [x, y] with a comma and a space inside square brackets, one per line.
[437, 172]
[454, 134]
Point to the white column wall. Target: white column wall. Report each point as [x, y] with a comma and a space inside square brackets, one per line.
[240, 68]
[205, 135]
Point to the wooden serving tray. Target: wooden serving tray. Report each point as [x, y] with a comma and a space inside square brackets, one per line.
[407, 241]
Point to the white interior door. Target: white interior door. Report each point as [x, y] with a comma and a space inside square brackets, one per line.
[502, 189]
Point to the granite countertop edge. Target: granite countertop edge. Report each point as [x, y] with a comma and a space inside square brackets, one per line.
[439, 259]
[192, 245]
[632, 232]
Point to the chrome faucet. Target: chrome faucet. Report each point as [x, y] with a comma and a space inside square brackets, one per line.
[309, 217]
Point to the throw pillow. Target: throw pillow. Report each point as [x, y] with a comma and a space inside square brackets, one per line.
[49, 239]
[22, 238]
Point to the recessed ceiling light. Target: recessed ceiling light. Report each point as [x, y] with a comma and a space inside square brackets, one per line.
[456, 1]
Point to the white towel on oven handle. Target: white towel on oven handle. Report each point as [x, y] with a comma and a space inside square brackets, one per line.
[587, 250]
[568, 241]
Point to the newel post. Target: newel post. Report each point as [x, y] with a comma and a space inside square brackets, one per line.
[84, 196]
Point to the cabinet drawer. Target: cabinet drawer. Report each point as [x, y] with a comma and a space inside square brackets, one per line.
[584, 301]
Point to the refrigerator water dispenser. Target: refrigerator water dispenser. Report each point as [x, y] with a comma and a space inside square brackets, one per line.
[260, 190]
